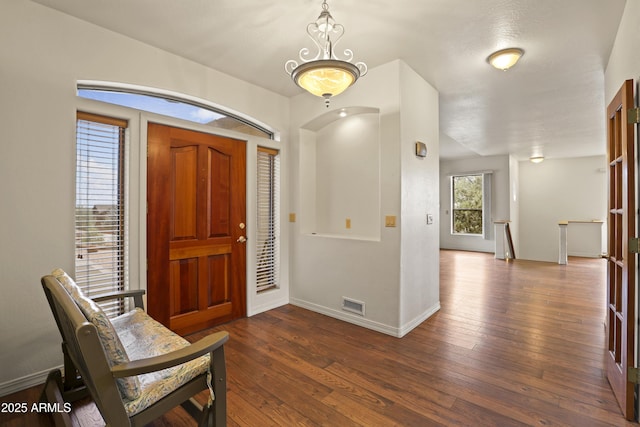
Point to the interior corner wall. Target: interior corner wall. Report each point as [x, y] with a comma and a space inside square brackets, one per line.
[571, 189]
[500, 200]
[43, 53]
[324, 269]
[624, 61]
[420, 258]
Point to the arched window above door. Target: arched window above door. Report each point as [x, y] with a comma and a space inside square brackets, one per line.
[172, 105]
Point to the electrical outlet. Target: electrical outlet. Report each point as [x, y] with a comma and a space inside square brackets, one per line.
[429, 219]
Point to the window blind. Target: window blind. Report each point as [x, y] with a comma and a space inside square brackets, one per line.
[268, 222]
[100, 207]
[487, 179]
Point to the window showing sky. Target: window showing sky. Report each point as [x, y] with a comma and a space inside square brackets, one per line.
[98, 165]
[153, 104]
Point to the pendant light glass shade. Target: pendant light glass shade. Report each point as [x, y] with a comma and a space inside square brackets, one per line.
[325, 74]
[325, 78]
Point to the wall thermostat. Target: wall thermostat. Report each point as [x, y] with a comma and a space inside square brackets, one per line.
[421, 149]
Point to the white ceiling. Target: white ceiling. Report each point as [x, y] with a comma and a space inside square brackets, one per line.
[552, 100]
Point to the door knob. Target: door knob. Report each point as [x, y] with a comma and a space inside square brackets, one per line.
[241, 239]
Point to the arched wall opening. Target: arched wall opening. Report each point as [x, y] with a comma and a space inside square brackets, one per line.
[340, 174]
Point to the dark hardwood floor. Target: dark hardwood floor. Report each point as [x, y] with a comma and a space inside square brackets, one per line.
[515, 343]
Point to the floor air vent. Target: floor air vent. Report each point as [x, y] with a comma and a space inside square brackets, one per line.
[353, 306]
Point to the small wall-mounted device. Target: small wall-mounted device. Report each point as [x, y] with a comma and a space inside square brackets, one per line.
[390, 221]
[421, 149]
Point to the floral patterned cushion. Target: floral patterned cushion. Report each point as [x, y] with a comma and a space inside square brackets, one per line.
[143, 337]
[67, 282]
[130, 386]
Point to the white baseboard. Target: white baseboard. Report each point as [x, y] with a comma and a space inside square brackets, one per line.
[409, 326]
[19, 384]
[366, 323]
[266, 307]
[583, 254]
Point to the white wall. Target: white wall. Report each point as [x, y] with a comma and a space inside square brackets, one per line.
[557, 190]
[378, 272]
[324, 269]
[500, 201]
[42, 55]
[624, 62]
[420, 259]
[347, 180]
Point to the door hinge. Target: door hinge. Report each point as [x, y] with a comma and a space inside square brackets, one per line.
[634, 245]
[633, 115]
[632, 375]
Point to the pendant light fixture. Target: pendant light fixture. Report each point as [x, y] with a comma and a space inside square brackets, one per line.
[325, 74]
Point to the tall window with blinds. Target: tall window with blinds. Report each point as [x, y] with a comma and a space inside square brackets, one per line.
[100, 206]
[268, 222]
[466, 194]
[471, 204]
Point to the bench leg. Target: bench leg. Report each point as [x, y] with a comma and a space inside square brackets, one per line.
[202, 414]
[208, 419]
[219, 407]
[73, 387]
[52, 393]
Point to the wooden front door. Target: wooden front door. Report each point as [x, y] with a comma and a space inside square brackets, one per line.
[621, 265]
[196, 187]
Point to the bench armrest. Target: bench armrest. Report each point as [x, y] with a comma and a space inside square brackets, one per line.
[152, 364]
[135, 294]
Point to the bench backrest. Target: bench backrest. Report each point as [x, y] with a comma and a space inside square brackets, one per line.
[85, 350]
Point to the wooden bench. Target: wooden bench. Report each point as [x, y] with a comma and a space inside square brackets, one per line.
[134, 368]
